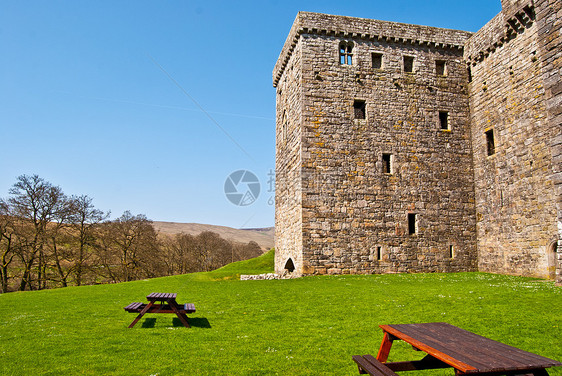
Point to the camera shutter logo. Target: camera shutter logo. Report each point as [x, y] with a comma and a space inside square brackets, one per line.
[242, 188]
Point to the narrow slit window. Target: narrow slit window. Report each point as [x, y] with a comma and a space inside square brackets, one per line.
[376, 59]
[440, 67]
[451, 251]
[359, 109]
[412, 225]
[283, 126]
[490, 143]
[444, 120]
[346, 53]
[387, 163]
[469, 71]
[408, 64]
[379, 253]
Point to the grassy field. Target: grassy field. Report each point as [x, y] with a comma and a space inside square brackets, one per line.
[307, 326]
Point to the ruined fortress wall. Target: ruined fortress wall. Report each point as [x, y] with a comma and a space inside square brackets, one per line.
[515, 196]
[288, 199]
[354, 215]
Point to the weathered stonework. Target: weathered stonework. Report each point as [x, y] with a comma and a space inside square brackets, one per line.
[549, 27]
[515, 192]
[380, 169]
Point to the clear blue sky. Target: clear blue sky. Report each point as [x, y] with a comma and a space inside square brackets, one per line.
[89, 100]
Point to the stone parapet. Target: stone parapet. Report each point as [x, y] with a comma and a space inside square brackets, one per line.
[366, 29]
[500, 30]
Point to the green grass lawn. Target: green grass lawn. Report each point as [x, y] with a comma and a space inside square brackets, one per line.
[307, 326]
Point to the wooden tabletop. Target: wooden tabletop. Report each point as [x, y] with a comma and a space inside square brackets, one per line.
[162, 296]
[466, 351]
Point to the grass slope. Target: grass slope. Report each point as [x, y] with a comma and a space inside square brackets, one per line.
[307, 326]
[258, 265]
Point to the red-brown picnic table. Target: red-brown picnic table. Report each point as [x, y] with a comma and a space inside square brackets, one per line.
[167, 304]
[449, 346]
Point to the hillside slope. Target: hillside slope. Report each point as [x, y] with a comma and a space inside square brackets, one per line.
[262, 236]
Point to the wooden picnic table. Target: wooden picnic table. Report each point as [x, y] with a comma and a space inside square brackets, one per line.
[449, 346]
[167, 304]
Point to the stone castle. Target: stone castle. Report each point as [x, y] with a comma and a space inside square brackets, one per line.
[406, 148]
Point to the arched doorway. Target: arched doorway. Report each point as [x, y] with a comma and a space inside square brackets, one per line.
[551, 259]
[290, 265]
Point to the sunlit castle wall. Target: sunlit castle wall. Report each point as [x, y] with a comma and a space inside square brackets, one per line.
[405, 148]
[373, 128]
[288, 158]
[514, 63]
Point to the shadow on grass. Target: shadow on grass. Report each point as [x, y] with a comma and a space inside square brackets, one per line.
[196, 322]
[149, 323]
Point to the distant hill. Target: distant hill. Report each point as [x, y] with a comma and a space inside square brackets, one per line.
[262, 236]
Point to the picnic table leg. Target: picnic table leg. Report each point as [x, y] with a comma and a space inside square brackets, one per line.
[141, 314]
[182, 316]
[384, 350]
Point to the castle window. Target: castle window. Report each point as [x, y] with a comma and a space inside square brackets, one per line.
[469, 71]
[444, 120]
[490, 144]
[359, 109]
[440, 68]
[376, 59]
[346, 53]
[412, 224]
[378, 254]
[408, 64]
[387, 163]
[283, 126]
[451, 251]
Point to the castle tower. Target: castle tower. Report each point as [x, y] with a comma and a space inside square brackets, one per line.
[405, 148]
[374, 164]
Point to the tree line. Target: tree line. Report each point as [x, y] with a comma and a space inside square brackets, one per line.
[49, 239]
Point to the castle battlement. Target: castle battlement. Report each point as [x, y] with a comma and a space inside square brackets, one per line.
[499, 31]
[367, 30]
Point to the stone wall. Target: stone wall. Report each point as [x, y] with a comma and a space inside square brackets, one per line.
[549, 27]
[484, 191]
[354, 215]
[515, 193]
[288, 199]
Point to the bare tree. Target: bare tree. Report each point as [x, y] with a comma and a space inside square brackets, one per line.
[212, 251]
[35, 202]
[7, 245]
[179, 253]
[136, 243]
[48, 239]
[84, 220]
[58, 239]
[105, 257]
[246, 251]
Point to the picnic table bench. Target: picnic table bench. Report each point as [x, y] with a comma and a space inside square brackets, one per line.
[449, 346]
[167, 304]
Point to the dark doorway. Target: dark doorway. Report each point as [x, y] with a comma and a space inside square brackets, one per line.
[289, 265]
